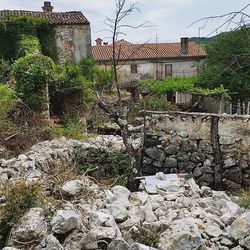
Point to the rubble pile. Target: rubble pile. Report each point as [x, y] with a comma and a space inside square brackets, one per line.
[182, 215]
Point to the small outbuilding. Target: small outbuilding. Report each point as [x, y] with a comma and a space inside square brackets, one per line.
[73, 35]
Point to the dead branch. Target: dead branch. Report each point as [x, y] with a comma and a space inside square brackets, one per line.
[230, 17]
[8, 138]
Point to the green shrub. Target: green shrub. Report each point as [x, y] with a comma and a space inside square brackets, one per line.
[108, 164]
[87, 67]
[104, 79]
[146, 236]
[72, 130]
[28, 45]
[20, 197]
[158, 103]
[153, 103]
[32, 73]
[4, 70]
[8, 102]
[74, 90]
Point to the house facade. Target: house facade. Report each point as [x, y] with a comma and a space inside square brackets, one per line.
[155, 61]
[151, 61]
[73, 34]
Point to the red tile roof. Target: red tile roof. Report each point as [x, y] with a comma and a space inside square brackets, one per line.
[56, 18]
[146, 51]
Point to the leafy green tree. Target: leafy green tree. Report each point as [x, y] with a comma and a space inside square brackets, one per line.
[228, 64]
[32, 73]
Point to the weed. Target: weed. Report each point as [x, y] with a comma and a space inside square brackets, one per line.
[245, 198]
[71, 130]
[149, 237]
[20, 197]
[107, 164]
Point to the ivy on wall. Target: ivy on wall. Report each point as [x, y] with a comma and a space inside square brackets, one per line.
[12, 29]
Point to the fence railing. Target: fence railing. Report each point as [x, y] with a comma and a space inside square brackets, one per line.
[239, 107]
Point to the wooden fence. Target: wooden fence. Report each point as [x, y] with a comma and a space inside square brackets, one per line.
[239, 108]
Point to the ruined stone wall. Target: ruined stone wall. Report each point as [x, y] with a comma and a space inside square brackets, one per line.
[73, 42]
[214, 149]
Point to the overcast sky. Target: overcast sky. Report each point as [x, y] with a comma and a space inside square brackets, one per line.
[169, 18]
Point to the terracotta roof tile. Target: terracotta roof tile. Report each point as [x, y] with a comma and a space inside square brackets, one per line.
[146, 51]
[56, 18]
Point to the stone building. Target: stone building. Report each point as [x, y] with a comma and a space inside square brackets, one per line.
[151, 60]
[73, 36]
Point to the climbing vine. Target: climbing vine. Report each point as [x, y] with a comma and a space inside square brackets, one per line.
[188, 85]
[12, 29]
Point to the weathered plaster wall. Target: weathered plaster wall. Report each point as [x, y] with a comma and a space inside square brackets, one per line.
[73, 42]
[148, 69]
[214, 149]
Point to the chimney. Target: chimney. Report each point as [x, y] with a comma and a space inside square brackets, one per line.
[98, 42]
[184, 45]
[47, 7]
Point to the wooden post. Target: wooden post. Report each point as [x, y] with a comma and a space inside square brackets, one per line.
[222, 105]
[230, 108]
[243, 108]
[219, 112]
[238, 107]
[248, 108]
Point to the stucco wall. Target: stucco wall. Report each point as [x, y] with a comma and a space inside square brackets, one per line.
[148, 69]
[73, 42]
[215, 150]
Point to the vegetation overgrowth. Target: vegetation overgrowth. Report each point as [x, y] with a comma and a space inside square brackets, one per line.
[174, 84]
[12, 29]
[228, 63]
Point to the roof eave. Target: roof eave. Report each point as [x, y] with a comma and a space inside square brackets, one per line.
[155, 58]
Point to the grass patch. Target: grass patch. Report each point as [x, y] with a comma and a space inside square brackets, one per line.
[245, 198]
[71, 130]
[149, 237]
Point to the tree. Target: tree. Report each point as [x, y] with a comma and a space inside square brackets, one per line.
[119, 113]
[228, 63]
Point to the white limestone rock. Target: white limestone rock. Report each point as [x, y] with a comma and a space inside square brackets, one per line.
[103, 225]
[31, 227]
[213, 230]
[137, 246]
[118, 243]
[182, 234]
[138, 198]
[245, 242]
[49, 243]
[72, 188]
[65, 221]
[240, 228]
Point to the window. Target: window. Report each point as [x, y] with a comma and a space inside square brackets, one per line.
[133, 68]
[168, 70]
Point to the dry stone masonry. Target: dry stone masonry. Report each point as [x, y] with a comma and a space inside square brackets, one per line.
[215, 150]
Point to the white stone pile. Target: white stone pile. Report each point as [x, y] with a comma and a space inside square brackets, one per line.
[195, 218]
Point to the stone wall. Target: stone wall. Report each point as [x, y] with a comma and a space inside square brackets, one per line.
[214, 149]
[73, 42]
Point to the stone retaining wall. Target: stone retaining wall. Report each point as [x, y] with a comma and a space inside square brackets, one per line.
[214, 149]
